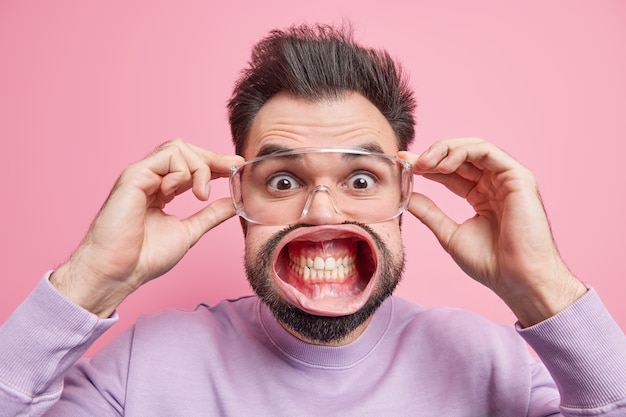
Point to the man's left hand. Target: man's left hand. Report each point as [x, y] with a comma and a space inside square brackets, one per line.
[508, 245]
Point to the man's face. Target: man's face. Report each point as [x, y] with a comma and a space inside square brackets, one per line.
[330, 308]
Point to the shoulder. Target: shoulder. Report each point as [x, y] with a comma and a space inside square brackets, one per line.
[203, 319]
[454, 329]
[453, 318]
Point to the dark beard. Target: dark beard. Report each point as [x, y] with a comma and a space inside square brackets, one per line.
[321, 329]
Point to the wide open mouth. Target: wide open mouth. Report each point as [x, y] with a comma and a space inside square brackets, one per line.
[326, 270]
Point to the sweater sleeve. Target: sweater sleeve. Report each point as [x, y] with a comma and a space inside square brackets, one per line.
[585, 351]
[39, 343]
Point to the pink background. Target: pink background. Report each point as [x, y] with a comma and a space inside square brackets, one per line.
[88, 87]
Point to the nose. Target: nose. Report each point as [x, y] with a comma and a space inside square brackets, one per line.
[323, 209]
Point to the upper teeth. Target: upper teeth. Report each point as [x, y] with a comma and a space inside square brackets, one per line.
[317, 269]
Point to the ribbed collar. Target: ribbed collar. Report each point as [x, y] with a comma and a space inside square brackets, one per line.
[327, 356]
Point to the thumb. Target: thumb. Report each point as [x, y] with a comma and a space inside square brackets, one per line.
[442, 226]
[210, 216]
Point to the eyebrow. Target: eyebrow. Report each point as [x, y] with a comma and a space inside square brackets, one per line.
[272, 148]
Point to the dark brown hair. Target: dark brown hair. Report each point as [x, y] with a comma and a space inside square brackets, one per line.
[316, 63]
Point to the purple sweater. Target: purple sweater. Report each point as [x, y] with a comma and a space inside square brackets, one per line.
[234, 359]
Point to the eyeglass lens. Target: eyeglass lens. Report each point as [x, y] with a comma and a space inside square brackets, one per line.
[283, 189]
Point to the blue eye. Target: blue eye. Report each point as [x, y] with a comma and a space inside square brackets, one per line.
[283, 182]
[361, 181]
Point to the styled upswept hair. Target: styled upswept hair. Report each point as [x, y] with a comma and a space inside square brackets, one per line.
[316, 63]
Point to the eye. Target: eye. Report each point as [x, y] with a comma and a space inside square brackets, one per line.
[283, 182]
[361, 181]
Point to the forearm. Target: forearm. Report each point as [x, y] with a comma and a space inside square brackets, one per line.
[43, 338]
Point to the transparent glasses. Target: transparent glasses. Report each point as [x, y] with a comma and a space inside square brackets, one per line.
[284, 187]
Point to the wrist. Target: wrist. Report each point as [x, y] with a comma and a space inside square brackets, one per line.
[532, 305]
[85, 289]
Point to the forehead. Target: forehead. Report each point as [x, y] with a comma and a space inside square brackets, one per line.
[286, 121]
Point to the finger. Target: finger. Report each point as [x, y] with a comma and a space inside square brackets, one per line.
[175, 171]
[199, 170]
[460, 182]
[442, 226]
[439, 152]
[219, 167]
[219, 164]
[409, 157]
[193, 167]
[148, 176]
[209, 217]
[180, 166]
[467, 170]
[448, 156]
[484, 156]
[453, 182]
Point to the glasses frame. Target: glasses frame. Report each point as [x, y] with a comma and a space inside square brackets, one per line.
[406, 183]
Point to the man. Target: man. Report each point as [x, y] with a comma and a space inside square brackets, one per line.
[322, 127]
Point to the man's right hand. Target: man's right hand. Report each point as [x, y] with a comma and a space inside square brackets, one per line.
[132, 240]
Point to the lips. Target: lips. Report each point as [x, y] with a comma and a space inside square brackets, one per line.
[326, 270]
